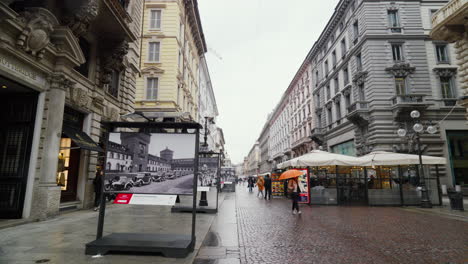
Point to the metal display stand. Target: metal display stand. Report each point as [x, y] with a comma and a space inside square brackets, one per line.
[169, 245]
[203, 203]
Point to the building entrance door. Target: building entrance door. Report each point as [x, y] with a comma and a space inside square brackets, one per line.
[352, 188]
[69, 157]
[17, 116]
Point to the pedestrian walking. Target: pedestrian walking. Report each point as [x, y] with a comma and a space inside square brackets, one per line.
[295, 187]
[260, 185]
[267, 187]
[250, 183]
[97, 182]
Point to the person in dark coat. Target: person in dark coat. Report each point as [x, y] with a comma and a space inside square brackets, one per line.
[267, 187]
[250, 183]
[97, 182]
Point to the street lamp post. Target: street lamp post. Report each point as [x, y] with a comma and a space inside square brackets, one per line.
[203, 197]
[418, 129]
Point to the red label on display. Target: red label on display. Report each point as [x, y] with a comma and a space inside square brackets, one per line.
[123, 198]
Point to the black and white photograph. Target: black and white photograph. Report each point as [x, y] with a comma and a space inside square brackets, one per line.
[151, 163]
[208, 171]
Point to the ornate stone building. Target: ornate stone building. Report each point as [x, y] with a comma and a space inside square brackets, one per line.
[373, 64]
[65, 67]
[450, 24]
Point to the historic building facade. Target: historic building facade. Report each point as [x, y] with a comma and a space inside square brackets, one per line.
[265, 162]
[373, 64]
[65, 67]
[279, 133]
[172, 45]
[208, 110]
[450, 24]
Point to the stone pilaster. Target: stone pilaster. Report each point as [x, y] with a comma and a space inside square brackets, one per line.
[46, 199]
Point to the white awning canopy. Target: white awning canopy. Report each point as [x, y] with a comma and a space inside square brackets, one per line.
[320, 158]
[377, 158]
[383, 158]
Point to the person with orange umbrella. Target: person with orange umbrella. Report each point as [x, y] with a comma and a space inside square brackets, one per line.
[295, 187]
[260, 185]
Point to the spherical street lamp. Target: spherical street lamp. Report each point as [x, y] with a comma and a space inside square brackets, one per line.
[418, 128]
[415, 114]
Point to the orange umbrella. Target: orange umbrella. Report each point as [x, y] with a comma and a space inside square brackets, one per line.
[290, 174]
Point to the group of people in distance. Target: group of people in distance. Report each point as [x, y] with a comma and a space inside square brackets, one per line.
[295, 187]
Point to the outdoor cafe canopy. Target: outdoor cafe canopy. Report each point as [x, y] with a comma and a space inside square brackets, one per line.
[320, 158]
[377, 158]
[384, 158]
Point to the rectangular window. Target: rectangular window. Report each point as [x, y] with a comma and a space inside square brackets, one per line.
[155, 19]
[319, 120]
[326, 67]
[328, 92]
[446, 86]
[359, 62]
[154, 51]
[316, 78]
[346, 75]
[442, 55]
[397, 52]
[152, 85]
[114, 83]
[334, 59]
[394, 21]
[361, 92]
[338, 110]
[400, 85]
[318, 99]
[337, 85]
[329, 115]
[347, 100]
[356, 31]
[343, 48]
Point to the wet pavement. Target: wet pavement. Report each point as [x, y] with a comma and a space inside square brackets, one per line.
[270, 233]
[61, 240]
[248, 229]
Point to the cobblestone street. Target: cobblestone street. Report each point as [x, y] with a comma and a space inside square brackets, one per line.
[269, 233]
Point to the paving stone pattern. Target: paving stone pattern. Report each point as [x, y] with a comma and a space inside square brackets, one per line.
[270, 233]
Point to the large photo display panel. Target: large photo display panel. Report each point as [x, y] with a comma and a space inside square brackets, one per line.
[208, 171]
[150, 163]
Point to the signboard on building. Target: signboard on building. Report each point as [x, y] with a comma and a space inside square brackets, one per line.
[150, 163]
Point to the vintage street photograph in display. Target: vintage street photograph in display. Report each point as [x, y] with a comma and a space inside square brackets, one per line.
[152, 163]
[208, 171]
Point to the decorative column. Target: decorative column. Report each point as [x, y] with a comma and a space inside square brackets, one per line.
[46, 199]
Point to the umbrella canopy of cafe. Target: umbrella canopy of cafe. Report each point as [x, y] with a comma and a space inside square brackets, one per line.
[320, 158]
[383, 158]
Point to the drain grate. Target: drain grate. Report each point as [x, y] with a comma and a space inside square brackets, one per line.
[42, 260]
[204, 261]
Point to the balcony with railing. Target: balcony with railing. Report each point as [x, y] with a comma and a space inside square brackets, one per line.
[448, 22]
[358, 112]
[113, 21]
[403, 103]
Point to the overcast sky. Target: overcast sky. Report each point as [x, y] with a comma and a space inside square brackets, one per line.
[262, 43]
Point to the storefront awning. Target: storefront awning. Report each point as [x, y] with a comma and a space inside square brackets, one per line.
[81, 139]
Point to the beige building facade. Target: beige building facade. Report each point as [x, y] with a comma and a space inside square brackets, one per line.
[172, 44]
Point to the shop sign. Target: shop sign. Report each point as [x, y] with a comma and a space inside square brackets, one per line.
[21, 70]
